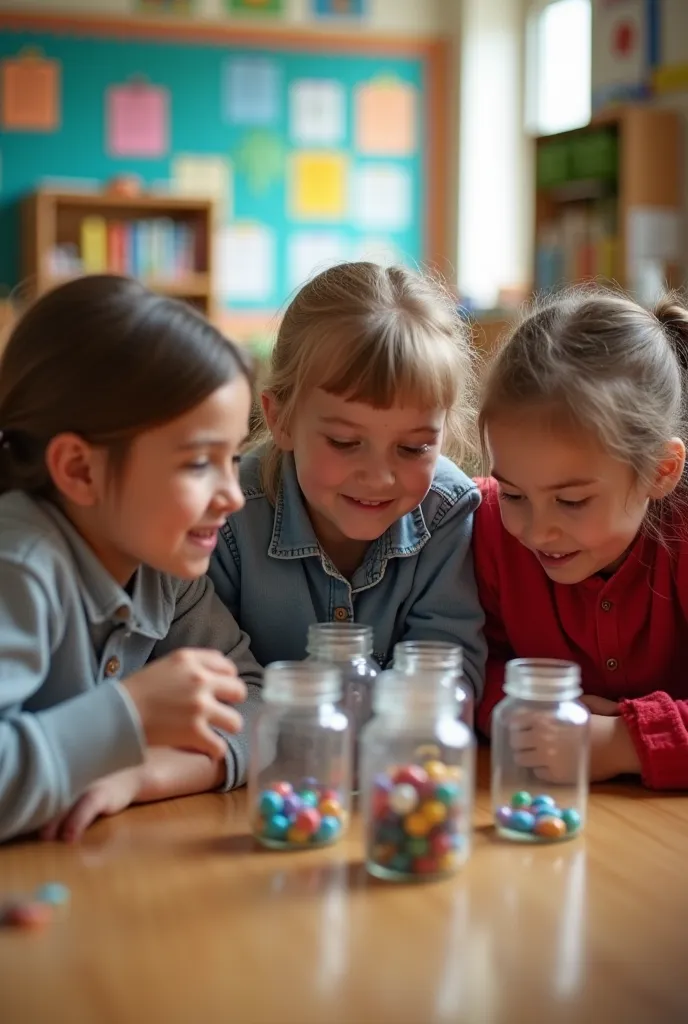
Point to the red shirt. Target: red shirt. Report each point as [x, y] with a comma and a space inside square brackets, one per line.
[628, 633]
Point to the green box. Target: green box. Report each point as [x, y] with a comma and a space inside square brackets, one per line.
[594, 154]
[553, 163]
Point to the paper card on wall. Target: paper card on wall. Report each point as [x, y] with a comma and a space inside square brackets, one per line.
[654, 232]
[382, 198]
[260, 157]
[251, 90]
[137, 120]
[30, 90]
[386, 113]
[337, 8]
[310, 252]
[620, 51]
[207, 177]
[317, 111]
[318, 186]
[255, 6]
[245, 260]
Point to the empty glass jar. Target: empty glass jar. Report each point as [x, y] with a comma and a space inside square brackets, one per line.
[299, 783]
[417, 770]
[349, 647]
[436, 656]
[540, 752]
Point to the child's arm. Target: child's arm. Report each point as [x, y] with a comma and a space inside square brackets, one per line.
[165, 773]
[447, 607]
[658, 727]
[657, 723]
[42, 770]
[202, 620]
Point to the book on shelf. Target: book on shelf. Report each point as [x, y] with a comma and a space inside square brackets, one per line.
[580, 244]
[157, 248]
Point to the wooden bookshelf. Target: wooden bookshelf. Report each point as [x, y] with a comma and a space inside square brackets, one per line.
[608, 200]
[164, 241]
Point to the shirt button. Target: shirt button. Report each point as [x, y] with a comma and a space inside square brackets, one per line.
[112, 667]
[341, 614]
[612, 664]
[606, 606]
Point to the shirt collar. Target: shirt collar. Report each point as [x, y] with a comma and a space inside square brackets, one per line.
[293, 535]
[103, 598]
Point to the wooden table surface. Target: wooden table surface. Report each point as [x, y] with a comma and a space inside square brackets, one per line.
[176, 919]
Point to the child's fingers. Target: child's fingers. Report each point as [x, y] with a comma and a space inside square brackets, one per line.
[522, 739]
[215, 661]
[83, 813]
[49, 832]
[532, 758]
[227, 719]
[231, 689]
[209, 743]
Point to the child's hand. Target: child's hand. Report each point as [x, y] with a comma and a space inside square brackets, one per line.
[550, 749]
[180, 697]
[109, 795]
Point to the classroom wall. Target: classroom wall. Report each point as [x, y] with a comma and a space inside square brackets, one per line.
[403, 17]
[640, 54]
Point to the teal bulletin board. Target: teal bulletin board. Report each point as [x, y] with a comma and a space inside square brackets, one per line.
[314, 156]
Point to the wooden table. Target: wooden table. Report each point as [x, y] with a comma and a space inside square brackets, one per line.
[176, 919]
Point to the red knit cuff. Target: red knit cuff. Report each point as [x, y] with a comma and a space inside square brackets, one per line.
[658, 730]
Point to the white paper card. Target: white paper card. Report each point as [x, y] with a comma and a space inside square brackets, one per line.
[245, 260]
[317, 112]
[382, 198]
[205, 177]
[654, 232]
[310, 252]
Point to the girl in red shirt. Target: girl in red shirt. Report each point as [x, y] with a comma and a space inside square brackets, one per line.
[581, 542]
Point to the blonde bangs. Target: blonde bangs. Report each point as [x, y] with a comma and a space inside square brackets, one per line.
[404, 366]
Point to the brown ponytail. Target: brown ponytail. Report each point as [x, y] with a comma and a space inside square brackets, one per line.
[672, 314]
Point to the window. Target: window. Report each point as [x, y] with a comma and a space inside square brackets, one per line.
[558, 54]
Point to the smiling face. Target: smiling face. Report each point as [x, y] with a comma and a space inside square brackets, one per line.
[176, 487]
[572, 504]
[360, 468]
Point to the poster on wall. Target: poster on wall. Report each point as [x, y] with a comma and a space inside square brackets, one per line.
[30, 89]
[137, 120]
[317, 112]
[386, 118]
[623, 50]
[254, 6]
[251, 90]
[165, 6]
[339, 8]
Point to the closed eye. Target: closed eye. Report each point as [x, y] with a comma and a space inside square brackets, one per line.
[573, 504]
[341, 446]
[504, 495]
[413, 450]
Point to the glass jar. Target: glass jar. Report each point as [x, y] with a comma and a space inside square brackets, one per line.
[417, 770]
[540, 752]
[437, 656]
[348, 646]
[299, 783]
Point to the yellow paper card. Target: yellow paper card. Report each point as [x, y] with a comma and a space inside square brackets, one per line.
[318, 186]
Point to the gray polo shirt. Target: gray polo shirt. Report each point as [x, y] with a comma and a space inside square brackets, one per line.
[68, 634]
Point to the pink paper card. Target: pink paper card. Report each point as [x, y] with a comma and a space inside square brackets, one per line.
[137, 120]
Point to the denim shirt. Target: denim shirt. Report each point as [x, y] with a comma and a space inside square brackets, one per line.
[69, 634]
[416, 581]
